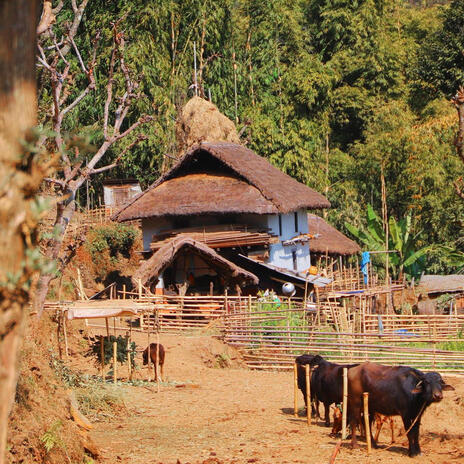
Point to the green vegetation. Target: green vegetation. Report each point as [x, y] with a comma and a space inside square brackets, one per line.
[337, 94]
[116, 238]
[406, 259]
[51, 438]
[122, 351]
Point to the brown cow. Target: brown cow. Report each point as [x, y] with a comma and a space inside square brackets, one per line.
[393, 391]
[153, 351]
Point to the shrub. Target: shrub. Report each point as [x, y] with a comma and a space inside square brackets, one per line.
[117, 239]
[121, 350]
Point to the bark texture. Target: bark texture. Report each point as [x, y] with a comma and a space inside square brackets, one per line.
[20, 178]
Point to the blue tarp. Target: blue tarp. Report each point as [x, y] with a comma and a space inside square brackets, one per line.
[365, 260]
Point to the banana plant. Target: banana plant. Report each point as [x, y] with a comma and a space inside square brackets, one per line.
[405, 259]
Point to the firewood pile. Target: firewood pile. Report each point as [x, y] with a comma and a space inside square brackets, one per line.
[218, 236]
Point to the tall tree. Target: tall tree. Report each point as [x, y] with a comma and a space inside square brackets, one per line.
[440, 70]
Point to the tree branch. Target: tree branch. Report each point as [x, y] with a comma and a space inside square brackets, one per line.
[59, 182]
[139, 139]
[109, 94]
[142, 120]
[58, 7]
[83, 94]
[47, 18]
[78, 13]
[78, 56]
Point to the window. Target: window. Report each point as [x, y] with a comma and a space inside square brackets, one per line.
[280, 224]
[296, 220]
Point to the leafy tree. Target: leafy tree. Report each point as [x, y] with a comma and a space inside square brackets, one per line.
[407, 259]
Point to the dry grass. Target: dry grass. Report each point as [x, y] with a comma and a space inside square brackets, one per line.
[201, 121]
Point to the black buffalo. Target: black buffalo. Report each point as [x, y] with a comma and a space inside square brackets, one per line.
[326, 382]
[393, 391]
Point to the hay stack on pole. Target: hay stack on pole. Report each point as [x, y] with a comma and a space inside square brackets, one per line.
[201, 121]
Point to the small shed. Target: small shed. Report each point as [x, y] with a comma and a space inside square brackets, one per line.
[431, 287]
[118, 192]
[185, 260]
[325, 239]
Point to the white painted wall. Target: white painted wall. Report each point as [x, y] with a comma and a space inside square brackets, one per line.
[151, 226]
[282, 256]
[279, 255]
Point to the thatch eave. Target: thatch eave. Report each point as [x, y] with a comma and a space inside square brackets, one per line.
[282, 191]
[150, 269]
[330, 240]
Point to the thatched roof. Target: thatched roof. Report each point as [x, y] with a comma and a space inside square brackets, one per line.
[220, 178]
[330, 240]
[441, 283]
[151, 268]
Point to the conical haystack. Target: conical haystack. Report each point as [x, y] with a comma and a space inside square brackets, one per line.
[201, 121]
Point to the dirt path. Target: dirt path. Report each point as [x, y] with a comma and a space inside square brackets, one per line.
[235, 415]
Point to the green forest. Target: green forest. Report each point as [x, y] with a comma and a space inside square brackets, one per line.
[351, 97]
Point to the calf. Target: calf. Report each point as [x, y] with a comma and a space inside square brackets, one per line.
[393, 391]
[153, 352]
[380, 419]
[326, 382]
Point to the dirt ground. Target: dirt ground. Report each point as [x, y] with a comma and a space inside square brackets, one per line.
[235, 415]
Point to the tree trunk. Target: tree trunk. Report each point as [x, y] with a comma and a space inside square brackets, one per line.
[458, 101]
[18, 108]
[64, 213]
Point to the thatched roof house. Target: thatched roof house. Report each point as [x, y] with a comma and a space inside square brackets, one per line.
[151, 269]
[221, 178]
[441, 283]
[329, 240]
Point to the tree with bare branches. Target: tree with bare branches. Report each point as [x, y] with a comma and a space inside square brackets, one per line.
[62, 64]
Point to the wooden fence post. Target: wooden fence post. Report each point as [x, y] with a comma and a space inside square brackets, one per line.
[367, 421]
[345, 402]
[115, 358]
[128, 349]
[65, 333]
[295, 390]
[308, 392]
[102, 356]
[149, 353]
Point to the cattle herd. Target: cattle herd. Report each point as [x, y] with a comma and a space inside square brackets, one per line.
[393, 391]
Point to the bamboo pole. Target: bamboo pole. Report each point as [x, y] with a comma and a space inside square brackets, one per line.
[295, 390]
[335, 452]
[345, 402]
[308, 393]
[58, 334]
[157, 372]
[65, 334]
[367, 421]
[129, 360]
[115, 352]
[102, 356]
[107, 327]
[149, 353]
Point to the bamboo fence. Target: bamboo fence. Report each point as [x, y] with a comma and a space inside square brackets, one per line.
[270, 334]
[272, 339]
